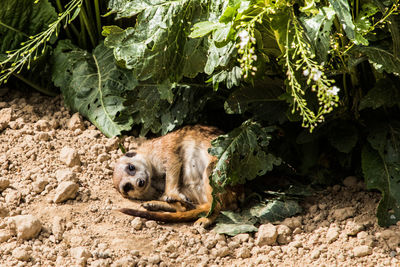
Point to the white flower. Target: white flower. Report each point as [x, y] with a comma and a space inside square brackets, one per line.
[316, 74]
[306, 72]
[244, 38]
[333, 91]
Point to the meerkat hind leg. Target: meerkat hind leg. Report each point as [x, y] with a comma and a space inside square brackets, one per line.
[157, 205]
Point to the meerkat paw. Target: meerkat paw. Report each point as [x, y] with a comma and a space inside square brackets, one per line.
[203, 222]
[158, 206]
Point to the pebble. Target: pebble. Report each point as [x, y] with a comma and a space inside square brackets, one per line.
[39, 185]
[151, 224]
[332, 234]
[75, 122]
[243, 253]
[13, 197]
[267, 234]
[284, 234]
[70, 157]
[361, 251]
[292, 223]
[3, 211]
[26, 226]
[352, 228]
[65, 175]
[21, 254]
[154, 259]
[42, 125]
[5, 117]
[350, 181]
[64, 191]
[58, 227]
[4, 183]
[4, 235]
[344, 213]
[241, 238]
[80, 253]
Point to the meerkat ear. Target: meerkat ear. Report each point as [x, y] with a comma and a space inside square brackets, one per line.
[130, 154]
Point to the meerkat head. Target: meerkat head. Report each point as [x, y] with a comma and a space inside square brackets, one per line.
[132, 176]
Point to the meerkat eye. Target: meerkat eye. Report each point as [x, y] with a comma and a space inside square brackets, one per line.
[131, 170]
[141, 183]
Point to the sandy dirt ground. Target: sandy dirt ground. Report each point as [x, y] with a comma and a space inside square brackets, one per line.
[58, 208]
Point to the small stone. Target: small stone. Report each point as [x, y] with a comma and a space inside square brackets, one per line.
[70, 157]
[332, 234]
[126, 261]
[26, 226]
[3, 211]
[75, 122]
[315, 254]
[267, 234]
[350, 181]
[80, 253]
[43, 136]
[220, 252]
[344, 213]
[13, 197]
[241, 238]
[361, 251]
[4, 235]
[42, 125]
[65, 175]
[39, 185]
[284, 234]
[154, 259]
[4, 183]
[5, 117]
[21, 254]
[103, 157]
[58, 227]
[243, 253]
[353, 228]
[64, 191]
[292, 222]
[137, 223]
[151, 224]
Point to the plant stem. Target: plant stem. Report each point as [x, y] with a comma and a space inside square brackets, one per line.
[86, 22]
[98, 20]
[82, 35]
[34, 86]
[13, 29]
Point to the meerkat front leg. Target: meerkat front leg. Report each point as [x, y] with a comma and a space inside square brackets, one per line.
[172, 180]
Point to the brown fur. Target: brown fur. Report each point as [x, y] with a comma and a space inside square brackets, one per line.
[175, 169]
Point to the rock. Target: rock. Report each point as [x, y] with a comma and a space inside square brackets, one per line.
[64, 191]
[43, 136]
[171, 246]
[137, 223]
[361, 251]
[292, 223]
[151, 224]
[21, 254]
[267, 234]
[315, 254]
[353, 228]
[26, 226]
[3, 211]
[284, 234]
[70, 157]
[350, 181]
[344, 213]
[80, 253]
[332, 234]
[4, 183]
[65, 175]
[5, 117]
[126, 261]
[13, 197]
[154, 259]
[42, 125]
[39, 185]
[103, 157]
[241, 238]
[220, 252]
[4, 235]
[58, 227]
[75, 122]
[243, 253]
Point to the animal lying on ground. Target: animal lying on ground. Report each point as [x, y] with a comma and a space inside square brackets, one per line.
[172, 172]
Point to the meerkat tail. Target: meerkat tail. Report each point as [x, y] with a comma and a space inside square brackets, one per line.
[170, 217]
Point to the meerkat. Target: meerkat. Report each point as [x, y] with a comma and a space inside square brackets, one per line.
[173, 172]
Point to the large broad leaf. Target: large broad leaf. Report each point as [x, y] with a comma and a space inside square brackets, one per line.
[386, 92]
[382, 59]
[342, 10]
[242, 154]
[232, 223]
[260, 99]
[275, 210]
[381, 168]
[158, 47]
[21, 19]
[94, 86]
[318, 29]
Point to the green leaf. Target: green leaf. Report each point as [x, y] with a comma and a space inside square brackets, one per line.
[385, 93]
[275, 210]
[382, 172]
[203, 28]
[21, 19]
[242, 154]
[382, 59]
[94, 86]
[343, 136]
[231, 223]
[318, 29]
[342, 10]
[158, 47]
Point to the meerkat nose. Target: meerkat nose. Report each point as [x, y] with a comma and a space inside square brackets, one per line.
[127, 187]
